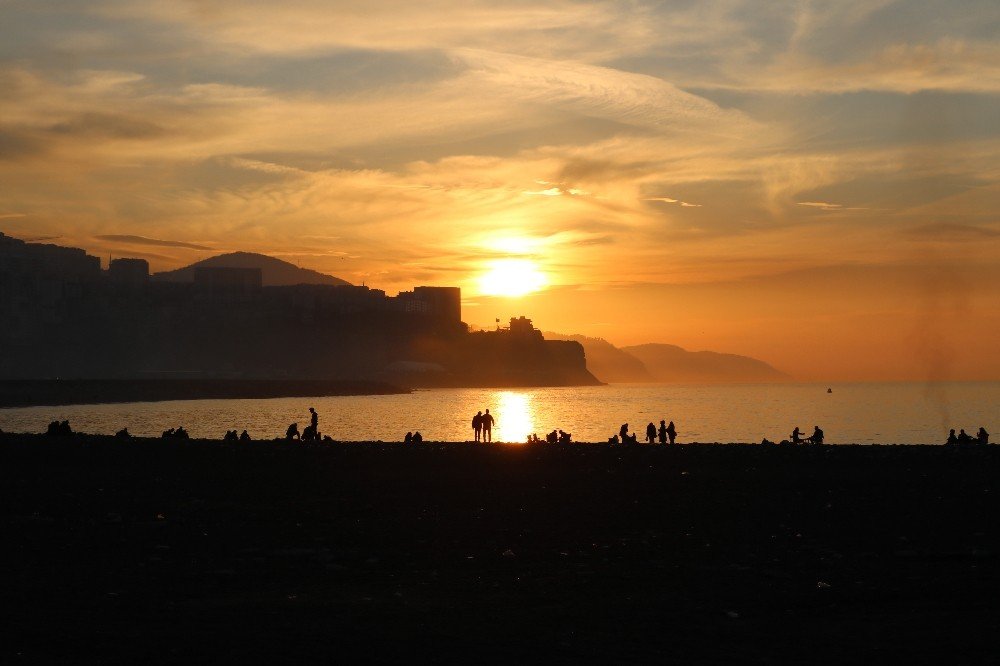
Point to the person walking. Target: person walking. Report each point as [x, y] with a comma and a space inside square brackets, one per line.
[662, 432]
[477, 424]
[488, 422]
[671, 432]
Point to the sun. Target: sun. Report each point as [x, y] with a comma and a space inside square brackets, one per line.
[511, 277]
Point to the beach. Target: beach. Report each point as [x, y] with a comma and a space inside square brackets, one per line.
[163, 551]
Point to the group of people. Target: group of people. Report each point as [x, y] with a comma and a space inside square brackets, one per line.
[666, 433]
[982, 437]
[309, 434]
[557, 436]
[815, 438]
[482, 426]
[62, 429]
[231, 436]
[413, 438]
[175, 433]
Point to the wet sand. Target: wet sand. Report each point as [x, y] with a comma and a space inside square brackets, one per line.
[163, 552]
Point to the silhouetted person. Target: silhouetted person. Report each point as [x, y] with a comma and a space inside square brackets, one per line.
[230, 436]
[631, 439]
[488, 422]
[408, 439]
[123, 434]
[417, 437]
[293, 432]
[964, 437]
[982, 436]
[181, 433]
[651, 433]
[952, 440]
[477, 424]
[796, 436]
[59, 429]
[309, 433]
[662, 432]
[552, 437]
[314, 419]
[817, 436]
[564, 437]
[623, 432]
[613, 439]
[53, 429]
[244, 436]
[671, 432]
[167, 434]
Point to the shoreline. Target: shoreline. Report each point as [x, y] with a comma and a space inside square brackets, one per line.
[72, 392]
[96, 438]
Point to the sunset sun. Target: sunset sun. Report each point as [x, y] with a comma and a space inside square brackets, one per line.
[511, 277]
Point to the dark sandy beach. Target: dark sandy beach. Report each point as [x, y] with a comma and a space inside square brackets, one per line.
[148, 551]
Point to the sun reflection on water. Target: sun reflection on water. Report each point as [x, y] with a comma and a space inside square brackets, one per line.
[515, 417]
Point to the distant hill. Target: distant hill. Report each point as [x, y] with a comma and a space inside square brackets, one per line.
[274, 272]
[607, 362]
[670, 363]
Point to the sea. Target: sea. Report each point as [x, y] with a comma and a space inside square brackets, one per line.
[862, 413]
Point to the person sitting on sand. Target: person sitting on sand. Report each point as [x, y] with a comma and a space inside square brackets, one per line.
[564, 437]
[552, 437]
[230, 436]
[488, 422]
[651, 433]
[982, 436]
[796, 436]
[417, 437]
[309, 434]
[662, 432]
[123, 434]
[477, 424]
[671, 432]
[167, 434]
[632, 439]
[613, 439]
[244, 436]
[964, 437]
[817, 436]
[952, 440]
[408, 439]
[293, 432]
[181, 433]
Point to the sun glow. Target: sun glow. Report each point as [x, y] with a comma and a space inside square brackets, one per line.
[512, 277]
[514, 417]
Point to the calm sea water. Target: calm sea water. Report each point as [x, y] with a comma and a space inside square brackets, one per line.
[853, 413]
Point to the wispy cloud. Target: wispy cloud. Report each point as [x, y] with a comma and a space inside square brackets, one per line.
[142, 240]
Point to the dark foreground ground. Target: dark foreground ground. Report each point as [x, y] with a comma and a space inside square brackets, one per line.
[153, 552]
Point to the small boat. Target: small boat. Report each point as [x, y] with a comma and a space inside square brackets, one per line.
[829, 390]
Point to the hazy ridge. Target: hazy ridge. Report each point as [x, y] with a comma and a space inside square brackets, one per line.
[656, 362]
[274, 272]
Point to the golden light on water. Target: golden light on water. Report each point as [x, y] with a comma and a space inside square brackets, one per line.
[512, 277]
[515, 417]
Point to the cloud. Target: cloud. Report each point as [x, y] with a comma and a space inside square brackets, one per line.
[142, 240]
[947, 231]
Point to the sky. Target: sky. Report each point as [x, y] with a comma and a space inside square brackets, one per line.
[816, 184]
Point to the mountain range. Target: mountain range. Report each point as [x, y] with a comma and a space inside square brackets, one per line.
[274, 272]
[669, 363]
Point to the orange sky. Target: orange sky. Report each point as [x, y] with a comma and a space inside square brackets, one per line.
[816, 185]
